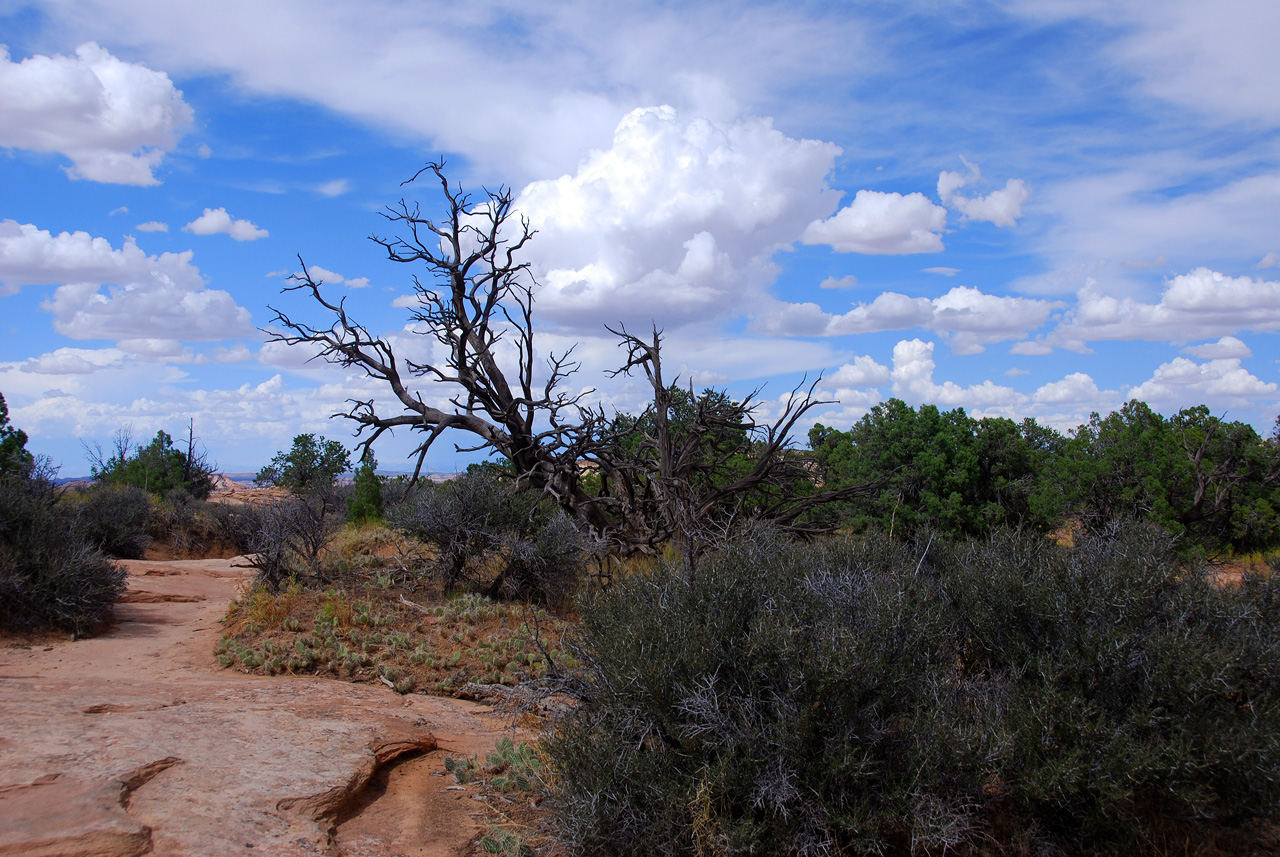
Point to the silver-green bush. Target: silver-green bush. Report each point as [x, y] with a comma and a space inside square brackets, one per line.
[875, 697]
[51, 575]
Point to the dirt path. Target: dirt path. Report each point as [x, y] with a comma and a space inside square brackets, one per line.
[139, 741]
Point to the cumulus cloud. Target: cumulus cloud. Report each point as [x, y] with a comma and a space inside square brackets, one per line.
[539, 86]
[147, 294]
[675, 222]
[912, 378]
[114, 120]
[846, 282]
[72, 361]
[135, 310]
[942, 271]
[1224, 348]
[33, 256]
[1192, 306]
[216, 221]
[1076, 388]
[882, 224]
[969, 318]
[152, 226]
[862, 372]
[1002, 207]
[1182, 382]
[1271, 260]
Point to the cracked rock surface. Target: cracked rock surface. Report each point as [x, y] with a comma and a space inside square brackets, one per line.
[137, 741]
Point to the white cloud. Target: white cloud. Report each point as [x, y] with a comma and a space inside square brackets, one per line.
[33, 256]
[1224, 348]
[204, 152]
[943, 271]
[912, 377]
[1002, 207]
[969, 318]
[1014, 372]
[540, 85]
[152, 226]
[149, 294]
[114, 120]
[136, 310]
[1271, 260]
[882, 224]
[337, 187]
[72, 361]
[675, 223]
[848, 281]
[324, 275]
[1182, 382]
[949, 181]
[238, 353]
[215, 221]
[862, 372]
[1076, 388]
[1130, 214]
[972, 319]
[1196, 305]
[1031, 348]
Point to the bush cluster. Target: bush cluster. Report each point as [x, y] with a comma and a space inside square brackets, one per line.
[874, 697]
[51, 574]
[491, 535]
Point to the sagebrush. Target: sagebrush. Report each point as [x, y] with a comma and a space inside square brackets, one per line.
[880, 697]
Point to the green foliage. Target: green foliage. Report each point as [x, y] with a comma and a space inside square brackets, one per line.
[310, 464]
[51, 576]
[14, 457]
[491, 534]
[116, 517]
[1212, 482]
[157, 468]
[365, 503]
[936, 470]
[869, 696]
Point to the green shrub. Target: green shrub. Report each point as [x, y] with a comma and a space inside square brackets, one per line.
[872, 697]
[311, 463]
[490, 534]
[51, 576]
[364, 504]
[158, 468]
[117, 518]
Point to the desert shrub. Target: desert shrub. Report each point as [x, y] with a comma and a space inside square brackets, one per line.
[489, 534]
[117, 518]
[291, 536]
[236, 524]
[873, 697]
[51, 576]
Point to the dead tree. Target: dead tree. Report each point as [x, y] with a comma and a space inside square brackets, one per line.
[662, 487]
[691, 478]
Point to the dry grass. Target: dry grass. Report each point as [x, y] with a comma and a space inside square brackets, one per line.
[375, 634]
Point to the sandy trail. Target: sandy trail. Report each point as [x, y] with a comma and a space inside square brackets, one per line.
[139, 742]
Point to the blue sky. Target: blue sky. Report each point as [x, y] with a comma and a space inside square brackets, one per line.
[1020, 208]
